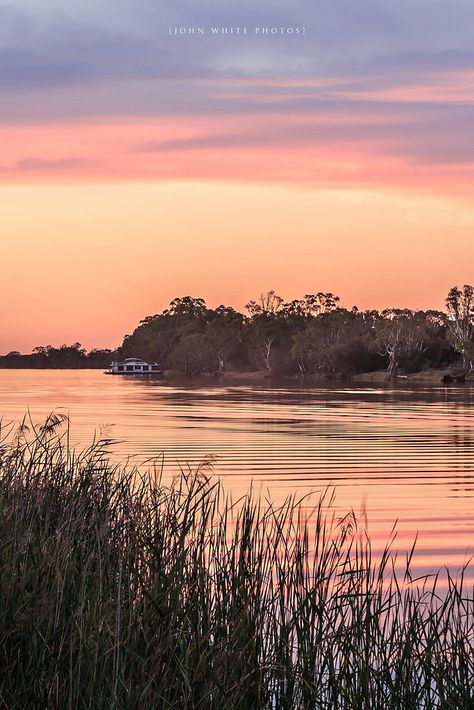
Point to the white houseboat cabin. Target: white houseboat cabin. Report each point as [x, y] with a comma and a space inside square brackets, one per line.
[133, 366]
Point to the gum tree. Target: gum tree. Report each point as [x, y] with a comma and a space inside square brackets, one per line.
[265, 327]
[460, 307]
[400, 333]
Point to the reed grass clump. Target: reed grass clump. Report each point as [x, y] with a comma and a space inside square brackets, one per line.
[117, 591]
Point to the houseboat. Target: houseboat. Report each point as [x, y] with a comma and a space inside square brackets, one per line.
[133, 366]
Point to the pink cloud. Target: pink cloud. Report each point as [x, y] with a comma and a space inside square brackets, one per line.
[360, 134]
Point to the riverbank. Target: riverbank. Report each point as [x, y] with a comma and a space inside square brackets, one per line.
[380, 377]
[426, 377]
[120, 592]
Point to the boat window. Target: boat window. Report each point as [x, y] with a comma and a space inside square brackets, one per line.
[129, 368]
[120, 368]
[146, 368]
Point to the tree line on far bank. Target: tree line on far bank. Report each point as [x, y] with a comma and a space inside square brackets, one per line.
[65, 357]
[312, 335]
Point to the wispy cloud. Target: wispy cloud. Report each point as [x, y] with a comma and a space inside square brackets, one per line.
[373, 92]
[62, 165]
[49, 42]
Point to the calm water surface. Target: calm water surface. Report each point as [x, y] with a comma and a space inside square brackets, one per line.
[405, 454]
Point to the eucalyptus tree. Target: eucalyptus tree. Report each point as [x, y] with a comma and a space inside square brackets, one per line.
[310, 306]
[265, 328]
[187, 308]
[460, 323]
[268, 304]
[400, 333]
[336, 341]
[194, 354]
[224, 331]
[153, 339]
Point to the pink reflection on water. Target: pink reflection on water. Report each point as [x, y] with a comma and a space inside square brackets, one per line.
[405, 455]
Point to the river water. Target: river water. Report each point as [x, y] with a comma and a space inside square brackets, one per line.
[403, 454]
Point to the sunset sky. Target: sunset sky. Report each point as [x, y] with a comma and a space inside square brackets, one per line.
[136, 166]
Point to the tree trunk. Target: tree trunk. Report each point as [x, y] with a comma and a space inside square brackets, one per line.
[267, 351]
[220, 363]
[392, 363]
[466, 361]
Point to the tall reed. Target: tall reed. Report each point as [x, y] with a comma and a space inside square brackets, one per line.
[117, 591]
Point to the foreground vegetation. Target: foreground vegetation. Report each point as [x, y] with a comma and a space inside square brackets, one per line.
[119, 592]
[312, 335]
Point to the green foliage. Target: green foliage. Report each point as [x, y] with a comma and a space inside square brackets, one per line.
[460, 307]
[307, 336]
[311, 335]
[402, 334]
[119, 592]
[335, 341]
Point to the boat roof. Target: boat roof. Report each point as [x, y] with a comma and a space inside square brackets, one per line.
[129, 360]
